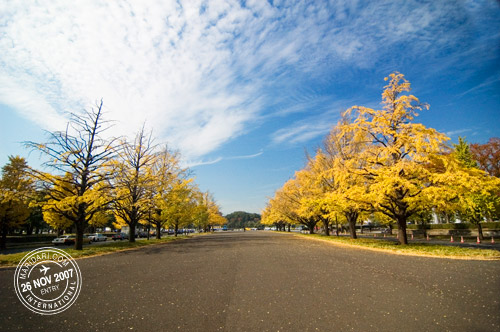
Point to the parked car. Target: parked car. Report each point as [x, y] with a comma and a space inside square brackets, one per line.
[140, 234]
[68, 239]
[119, 236]
[97, 237]
[65, 239]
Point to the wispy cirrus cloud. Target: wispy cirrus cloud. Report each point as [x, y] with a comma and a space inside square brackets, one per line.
[201, 72]
[457, 132]
[300, 133]
[219, 159]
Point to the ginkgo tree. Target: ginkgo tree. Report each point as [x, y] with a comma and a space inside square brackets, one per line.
[165, 170]
[466, 189]
[16, 187]
[84, 152]
[207, 213]
[338, 168]
[272, 215]
[295, 203]
[179, 205]
[381, 162]
[62, 204]
[133, 178]
[394, 163]
[478, 196]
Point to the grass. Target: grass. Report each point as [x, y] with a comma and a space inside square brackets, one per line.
[88, 251]
[414, 249]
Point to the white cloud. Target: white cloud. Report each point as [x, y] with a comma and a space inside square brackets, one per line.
[457, 132]
[194, 163]
[300, 133]
[198, 72]
[248, 156]
[191, 164]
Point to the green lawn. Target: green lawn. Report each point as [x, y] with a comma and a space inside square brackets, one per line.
[14, 259]
[416, 249]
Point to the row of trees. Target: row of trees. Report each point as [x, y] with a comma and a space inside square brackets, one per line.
[97, 179]
[381, 164]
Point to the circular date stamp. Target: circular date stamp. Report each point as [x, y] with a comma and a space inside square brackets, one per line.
[47, 281]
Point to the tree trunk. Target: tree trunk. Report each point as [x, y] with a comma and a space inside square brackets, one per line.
[176, 228]
[131, 233]
[352, 217]
[80, 226]
[352, 228]
[79, 236]
[403, 239]
[3, 238]
[158, 231]
[311, 227]
[289, 228]
[326, 226]
[480, 231]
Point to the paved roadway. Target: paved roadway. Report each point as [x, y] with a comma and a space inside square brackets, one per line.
[261, 281]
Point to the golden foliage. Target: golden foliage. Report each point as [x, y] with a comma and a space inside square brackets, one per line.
[380, 161]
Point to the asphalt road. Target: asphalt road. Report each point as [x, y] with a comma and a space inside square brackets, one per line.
[261, 281]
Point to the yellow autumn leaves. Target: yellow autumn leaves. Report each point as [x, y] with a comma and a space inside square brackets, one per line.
[381, 162]
[100, 179]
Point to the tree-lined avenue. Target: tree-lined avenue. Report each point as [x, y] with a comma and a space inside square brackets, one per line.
[262, 281]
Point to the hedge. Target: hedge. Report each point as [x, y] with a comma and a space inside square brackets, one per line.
[31, 238]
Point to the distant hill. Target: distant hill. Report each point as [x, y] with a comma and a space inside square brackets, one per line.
[240, 219]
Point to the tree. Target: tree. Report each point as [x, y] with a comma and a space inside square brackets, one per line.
[133, 179]
[16, 187]
[201, 215]
[62, 203]
[179, 207]
[165, 171]
[394, 164]
[35, 221]
[488, 156]
[83, 152]
[294, 202]
[59, 209]
[273, 215]
[463, 153]
[337, 167]
[476, 192]
[207, 213]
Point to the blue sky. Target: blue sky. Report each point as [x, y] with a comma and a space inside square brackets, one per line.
[243, 88]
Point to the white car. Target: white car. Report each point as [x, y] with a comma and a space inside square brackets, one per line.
[65, 239]
[96, 237]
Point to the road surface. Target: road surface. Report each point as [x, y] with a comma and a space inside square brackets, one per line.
[262, 281]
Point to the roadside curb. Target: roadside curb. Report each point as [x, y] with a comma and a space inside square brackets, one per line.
[401, 253]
